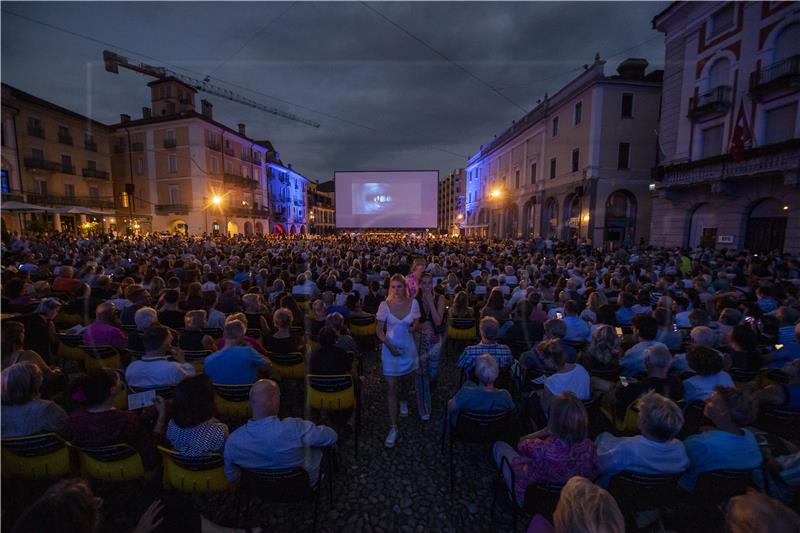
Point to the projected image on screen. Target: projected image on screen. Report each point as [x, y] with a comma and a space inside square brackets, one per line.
[387, 199]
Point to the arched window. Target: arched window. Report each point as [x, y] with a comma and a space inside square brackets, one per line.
[787, 43]
[550, 218]
[766, 226]
[719, 74]
[620, 226]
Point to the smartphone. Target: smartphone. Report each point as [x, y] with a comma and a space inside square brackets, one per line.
[618, 331]
[778, 346]
[540, 380]
[748, 319]
[560, 316]
[623, 381]
[675, 327]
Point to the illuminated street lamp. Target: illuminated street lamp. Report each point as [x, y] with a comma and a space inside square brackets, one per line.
[496, 193]
[216, 199]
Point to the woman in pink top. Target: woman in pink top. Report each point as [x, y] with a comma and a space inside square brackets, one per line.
[555, 453]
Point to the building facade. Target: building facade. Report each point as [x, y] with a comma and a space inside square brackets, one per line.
[287, 195]
[57, 159]
[578, 166]
[451, 203]
[320, 201]
[730, 129]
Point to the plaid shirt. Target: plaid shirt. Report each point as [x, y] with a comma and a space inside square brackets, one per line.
[501, 352]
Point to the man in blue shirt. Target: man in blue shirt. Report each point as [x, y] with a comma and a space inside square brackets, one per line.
[645, 328]
[625, 314]
[577, 328]
[235, 363]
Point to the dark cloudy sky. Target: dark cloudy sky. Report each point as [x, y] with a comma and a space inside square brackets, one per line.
[384, 99]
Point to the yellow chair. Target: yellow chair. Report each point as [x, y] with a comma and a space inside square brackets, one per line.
[196, 359]
[287, 365]
[41, 456]
[69, 347]
[363, 329]
[121, 399]
[193, 474]
[462, 329]
[628, 424]
[114, 463]
[232, 401]
[335, 392]
[101, 357]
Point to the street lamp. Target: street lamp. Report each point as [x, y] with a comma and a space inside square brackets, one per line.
[216, 199]
[496, 193]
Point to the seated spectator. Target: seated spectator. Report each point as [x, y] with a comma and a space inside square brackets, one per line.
[553, 454]
[287, 301]
[193, 338]
[193, 430]
[642, 305]
[460, 307]
[787, 352]
[139, 298]
[728, 445]
[317, 321]
[483, 396]
[593, 304]
[583, 507]
[194, 297]
[345, 341]
[566, 377]
[666, 332]
[353, 304]
[729, 318]
[496, 306]
[645, 328]
[99, 423]
[216, 318]
[625, 314]
[553, 329]
[168, 313]
[66, 281]
[577, 328]
[374, 298]
[764, 300]
[256, 312]
[538, 315]
[700, 336]
[282, 341]
[655, 451]
[785, 395]
[657, 360]
[23, 412]
[708, 366]
[157, 368]
[755, 512]
[523, 331]
[329, 358]
[144, 318]
[228, 300]
[266, 441]
[105, 330]
[236, 363]
[744, 354]
[488, 329]
[249, 341]
[40, 328]
[605, 317]
[602, 355]
[13, 352]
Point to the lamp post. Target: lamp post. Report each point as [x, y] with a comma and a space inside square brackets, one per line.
[216, 200]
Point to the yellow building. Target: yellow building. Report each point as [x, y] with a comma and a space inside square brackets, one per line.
[55, 158]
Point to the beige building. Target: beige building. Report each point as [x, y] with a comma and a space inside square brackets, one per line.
[179, 170]
[730, 127]
[58, 159]
[577, 166]
[322, 217]
[451, 203]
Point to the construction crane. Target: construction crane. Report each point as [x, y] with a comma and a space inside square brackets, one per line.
[113, 61]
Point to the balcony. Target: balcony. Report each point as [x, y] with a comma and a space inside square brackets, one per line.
[36, 131]
[768, 160]
[229, 151]
[14, 196]
[245, 157]
[257, 160]
[170, 143]
[214, 146]
[717, 100]
[42, 164]
[94, 173]
[137, 147]
[90, 145]
[85, 201]
[119, 148]
[247, 212]
[777, 76]
[65, 139]
[168, 209]
[241, 181]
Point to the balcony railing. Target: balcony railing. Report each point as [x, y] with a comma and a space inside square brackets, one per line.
[717, 100]
[85, 201]
[256, 160]
[214, 146]
[229, 151]
[94, 173]
[166, 209]
[90, 145]
[784, 74]
[35, 131]
[13, 196]
[42, 164]
[65, 139]
[241, 181]
[772, 159]
[250, 212]
[245, 157]
[137, 147]
[170, 143]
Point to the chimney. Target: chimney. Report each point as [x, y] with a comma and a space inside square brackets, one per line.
[632, 68]
[241, 130]
[124, 118]
[207, 109]
[145, 112]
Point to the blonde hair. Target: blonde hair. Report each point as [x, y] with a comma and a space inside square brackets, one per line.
[755, 512]
[195, 319]
[587, 508]
[596, 300]
[282, 318]
[401, 279]
[605, 345]
[568, 421]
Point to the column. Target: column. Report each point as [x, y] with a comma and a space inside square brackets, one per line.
[57, 221]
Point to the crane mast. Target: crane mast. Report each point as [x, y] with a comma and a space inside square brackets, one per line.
[113, 61]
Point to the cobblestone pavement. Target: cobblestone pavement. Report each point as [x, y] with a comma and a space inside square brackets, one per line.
[405, 489]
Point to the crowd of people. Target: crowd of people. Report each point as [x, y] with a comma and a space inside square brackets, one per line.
[643, 360]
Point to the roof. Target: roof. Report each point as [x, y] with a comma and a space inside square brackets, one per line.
[172, 79]
[663, 12]
[327, 186]
[27, 97]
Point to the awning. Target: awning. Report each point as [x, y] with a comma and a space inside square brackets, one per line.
[27, 208]
[77, 210]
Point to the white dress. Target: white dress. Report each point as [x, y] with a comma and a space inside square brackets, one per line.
[398, 332]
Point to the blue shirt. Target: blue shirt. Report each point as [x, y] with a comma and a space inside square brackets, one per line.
[624, 316]
[471, 397]
[577, 329]
[237, 365]
[717, 450]
[633, 360]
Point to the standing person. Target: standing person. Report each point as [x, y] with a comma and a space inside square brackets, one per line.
[396, 317]
[430, 343]
[417, 269]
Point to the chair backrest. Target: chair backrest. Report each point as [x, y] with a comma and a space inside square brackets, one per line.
[128, 327]
[195, 355]
[361, 320]
[108, 454]
[635, 491]
[330, 383]
[213, 332]
[297, 331]
[285, 359]
[280, 485]
[73, 340]
[33, 445]
[233, 393]
[717, 486]
[608, 374]
[202, 474]
[166, 392]
[99, 352]
[40, 456]
[199, 463]
[462, 323]
[542, 498]
[740, 375]
[253, 333]
[481, 426]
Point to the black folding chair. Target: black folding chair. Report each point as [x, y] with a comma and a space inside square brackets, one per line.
[636, 492]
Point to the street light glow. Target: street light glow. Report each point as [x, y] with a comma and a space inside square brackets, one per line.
[216, 200]
[460, 216]
[495, 193]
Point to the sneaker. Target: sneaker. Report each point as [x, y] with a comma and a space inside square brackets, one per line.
[391, 438]
[403, 409]
[425, 418]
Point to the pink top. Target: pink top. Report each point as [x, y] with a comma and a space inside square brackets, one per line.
[540, 524]
[412, 283]
[552, 460]
[102, 334]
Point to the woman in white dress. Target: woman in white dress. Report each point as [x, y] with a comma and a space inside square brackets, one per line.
[396, 318]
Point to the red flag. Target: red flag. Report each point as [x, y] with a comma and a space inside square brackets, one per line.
[742, 136]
